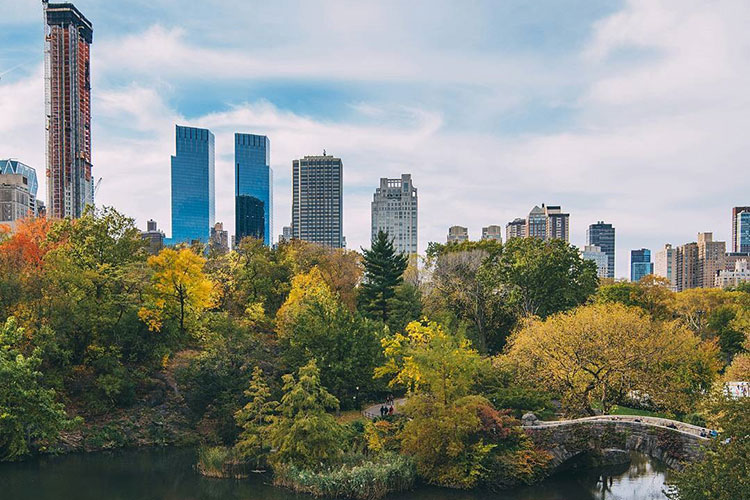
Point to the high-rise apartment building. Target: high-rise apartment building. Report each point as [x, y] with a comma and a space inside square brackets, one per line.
[603, 236]
[492, 233]
[740, 273]
[711, 257]
[665, 265]
[193, 199]
[536, 224]
[394, 210]
[67, 70]
[736, 243]
[596, 255]
[317, 200]
[15, 200]
[153, 237]
[558, 223]
[25, 200]
[457, 234]
[219, 240]
[286, 234]
[253, 187]
[515, 229]
[640, 264]
[688, 266]
[741, 231]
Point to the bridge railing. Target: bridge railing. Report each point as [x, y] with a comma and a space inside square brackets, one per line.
[664, 423]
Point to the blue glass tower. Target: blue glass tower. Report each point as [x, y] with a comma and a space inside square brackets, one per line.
[253, 187]
[640, 264]
[193, 198]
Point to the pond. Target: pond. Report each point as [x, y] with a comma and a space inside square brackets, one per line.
[167, 474]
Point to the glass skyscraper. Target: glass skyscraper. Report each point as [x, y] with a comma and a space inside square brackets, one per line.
[640, 264]
[741, 232]
[253, 187]
[603, 236]
[193, 198]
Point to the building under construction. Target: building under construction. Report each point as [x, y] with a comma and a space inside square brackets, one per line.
[68, 36]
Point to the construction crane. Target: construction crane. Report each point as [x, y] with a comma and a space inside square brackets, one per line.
[96, 187]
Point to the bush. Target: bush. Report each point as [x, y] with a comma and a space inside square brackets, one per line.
[370, 479]
[695, 419]
[219, 461]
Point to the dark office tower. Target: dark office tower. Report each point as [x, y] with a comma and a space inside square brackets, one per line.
[740, 229]
[253, 187]
[192, 185]
[250, 217]
[603, 236]
[317, 203]
[67, 96]
[640, 264]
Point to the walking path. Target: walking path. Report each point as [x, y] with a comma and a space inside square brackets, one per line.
[374, 410]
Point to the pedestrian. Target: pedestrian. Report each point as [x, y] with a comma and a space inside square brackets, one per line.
[390, 411]
[382, 411]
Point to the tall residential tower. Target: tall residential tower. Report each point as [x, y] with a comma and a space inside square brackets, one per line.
[67, 71]
[317, 200]
[193, 200]
[603, 236]
[394, 211]
[253, 187]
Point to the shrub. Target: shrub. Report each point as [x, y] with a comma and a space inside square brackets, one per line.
[219, 461]
[370, 479]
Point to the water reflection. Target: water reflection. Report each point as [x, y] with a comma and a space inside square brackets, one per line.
[168, 475]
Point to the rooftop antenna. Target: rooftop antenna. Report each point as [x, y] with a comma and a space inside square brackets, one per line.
[324, 152]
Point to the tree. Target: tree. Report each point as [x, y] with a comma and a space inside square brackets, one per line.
[545, 277]
[651, 293]
[28, 410]
[255, 418]
[179, 289]
[604, 352]
[304, 434]
[384, 269]
[724, 471]
[313, 324]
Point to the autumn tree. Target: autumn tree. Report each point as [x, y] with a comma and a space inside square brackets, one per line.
[384, 270]
[179, 290]
[304, 434]
[599, 354]
[255, 418]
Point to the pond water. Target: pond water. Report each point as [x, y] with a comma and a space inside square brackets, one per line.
[168, 474]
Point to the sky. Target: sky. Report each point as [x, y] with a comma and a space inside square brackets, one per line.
[634, 112]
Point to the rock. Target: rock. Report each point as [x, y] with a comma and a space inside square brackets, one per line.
[529, 419]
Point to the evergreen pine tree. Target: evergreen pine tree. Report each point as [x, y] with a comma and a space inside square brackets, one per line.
[384, 270]
[255, 418]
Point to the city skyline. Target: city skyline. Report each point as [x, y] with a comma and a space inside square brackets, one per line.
[571, 143]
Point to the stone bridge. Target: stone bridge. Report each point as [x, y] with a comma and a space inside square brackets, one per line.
[672, 442]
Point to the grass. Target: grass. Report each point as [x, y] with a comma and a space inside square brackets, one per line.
[218, 461]
[624, 410]
[349, 416]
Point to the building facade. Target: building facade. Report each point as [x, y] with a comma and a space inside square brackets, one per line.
[24, 198]
[317, 200]
[253, 178]
[67, 70]
[193, 199]
[601, 259]
[457, 234]
[740, 274]
[536, 224]
[493, 233]
[741, 231]
[735, 245]
[665, 265]
[286, 234]
[688, 268]
[603, 236]
[515, 229]
[394, 210]
[640, 264]
[558, 223]
[153, 237]
[219, 240]
[711, 258]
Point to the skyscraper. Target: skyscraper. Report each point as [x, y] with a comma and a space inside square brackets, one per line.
[603, 236]
[741, 231]
[317, 200]
[735, 239]
[515, 229]
[153, 237]
[640, 264]
[193, 201]
[492, 232]
[601, 259]
[665, 265]
[536, 224]
[558, 223]
[394, 210]
[711, 257]
[457, 234]
[68, 37]
[28, 181]
[253, 187]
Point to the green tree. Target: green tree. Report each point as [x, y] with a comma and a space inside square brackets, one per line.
[304, 434]
[724, 471]
[255, 418]
[384, 270]
[28, 410]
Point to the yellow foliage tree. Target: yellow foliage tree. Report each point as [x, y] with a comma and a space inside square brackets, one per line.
[605, 352]
[179, 289]
[306, 288]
